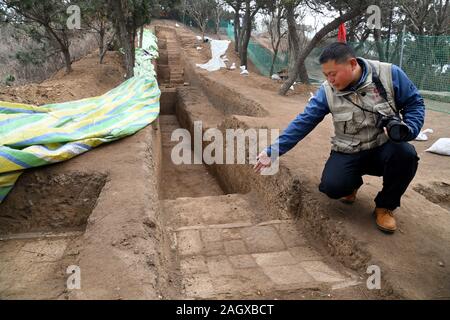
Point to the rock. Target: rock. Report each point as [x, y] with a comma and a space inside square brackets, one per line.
[276, 77]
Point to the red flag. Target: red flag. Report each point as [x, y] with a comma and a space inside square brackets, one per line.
[342, 34]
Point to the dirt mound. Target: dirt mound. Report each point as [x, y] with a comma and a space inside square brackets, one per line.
[88, 79]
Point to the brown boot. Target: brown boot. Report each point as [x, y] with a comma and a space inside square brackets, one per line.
[350, 199]
[385, 220]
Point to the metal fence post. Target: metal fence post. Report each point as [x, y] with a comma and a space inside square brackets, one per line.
[403, 45]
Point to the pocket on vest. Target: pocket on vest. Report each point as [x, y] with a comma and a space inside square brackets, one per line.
[384, 108]
[344, 123]
[345, 145]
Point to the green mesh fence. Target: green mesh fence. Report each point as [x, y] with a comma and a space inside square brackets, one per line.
[425, 59]
[262, 57]
[210, 27]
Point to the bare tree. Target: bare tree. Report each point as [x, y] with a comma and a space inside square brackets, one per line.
[297, 39]
[355, 10]
[128, 16]
[237, 7]
[96, 17]
[52, 17]
[202, 11]
[427, 17]
[218, 13]
[277, 31]
[243, 32]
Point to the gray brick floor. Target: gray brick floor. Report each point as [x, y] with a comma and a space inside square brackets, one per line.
[240, 259]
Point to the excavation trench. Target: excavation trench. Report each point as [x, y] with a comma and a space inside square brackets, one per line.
[213, 231]
[220, 238]
[283, 199]
[40, 220]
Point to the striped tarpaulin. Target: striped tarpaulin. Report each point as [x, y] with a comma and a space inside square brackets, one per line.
[32, 136]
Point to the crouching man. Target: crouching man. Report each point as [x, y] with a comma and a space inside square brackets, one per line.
[376, 109]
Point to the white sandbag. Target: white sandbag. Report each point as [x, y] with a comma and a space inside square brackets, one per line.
[218, 49]
[276, 77]
[442, 146]
[423, 136]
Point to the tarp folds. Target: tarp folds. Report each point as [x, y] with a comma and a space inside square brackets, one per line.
[218, 49]
[32, 136]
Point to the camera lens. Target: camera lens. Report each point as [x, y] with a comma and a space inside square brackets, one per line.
[398, 131]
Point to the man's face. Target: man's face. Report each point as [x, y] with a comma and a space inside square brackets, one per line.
[340, 75]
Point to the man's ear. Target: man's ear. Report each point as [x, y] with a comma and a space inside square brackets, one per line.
[353, 63]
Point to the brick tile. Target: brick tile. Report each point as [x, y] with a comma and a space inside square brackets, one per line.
[235, 247]
[211, 235]
[290, 235]
[281, 258]
[288, 275]
[213, 248]
[242, 261]
[193, 264]
[219, 266]
[198, 286]
[262, 239]
[304, 253]
[321, 272]
[189, 242]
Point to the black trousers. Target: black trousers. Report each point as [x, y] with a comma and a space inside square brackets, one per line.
[395, 162]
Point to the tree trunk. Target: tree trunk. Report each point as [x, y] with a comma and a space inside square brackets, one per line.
[106, 47]
[67, 59]
[303, 73]
[141, 36]
[314, 41]
[203, 30]
[246, 34]
[294, 42]
[243, 47]
[379, 44]
[63, 46]
[275, 55]
[133, 44]
[217, 25]
[237, 25]
[388, 45]
[125, 37]
[101, 45]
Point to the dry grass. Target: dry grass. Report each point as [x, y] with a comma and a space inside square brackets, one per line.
[28, 61]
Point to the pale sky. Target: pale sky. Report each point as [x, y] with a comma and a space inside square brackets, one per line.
[312, 19]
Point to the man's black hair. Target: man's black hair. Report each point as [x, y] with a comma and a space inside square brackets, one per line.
[337, 51]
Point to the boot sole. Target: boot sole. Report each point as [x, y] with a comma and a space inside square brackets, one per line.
[348, 201]
[390, 231]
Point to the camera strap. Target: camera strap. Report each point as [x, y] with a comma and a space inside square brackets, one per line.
[381, 90]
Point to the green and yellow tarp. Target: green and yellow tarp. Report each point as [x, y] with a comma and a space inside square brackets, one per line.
[32, 136]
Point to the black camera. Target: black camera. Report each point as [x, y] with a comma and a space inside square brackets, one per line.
[396, 129]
